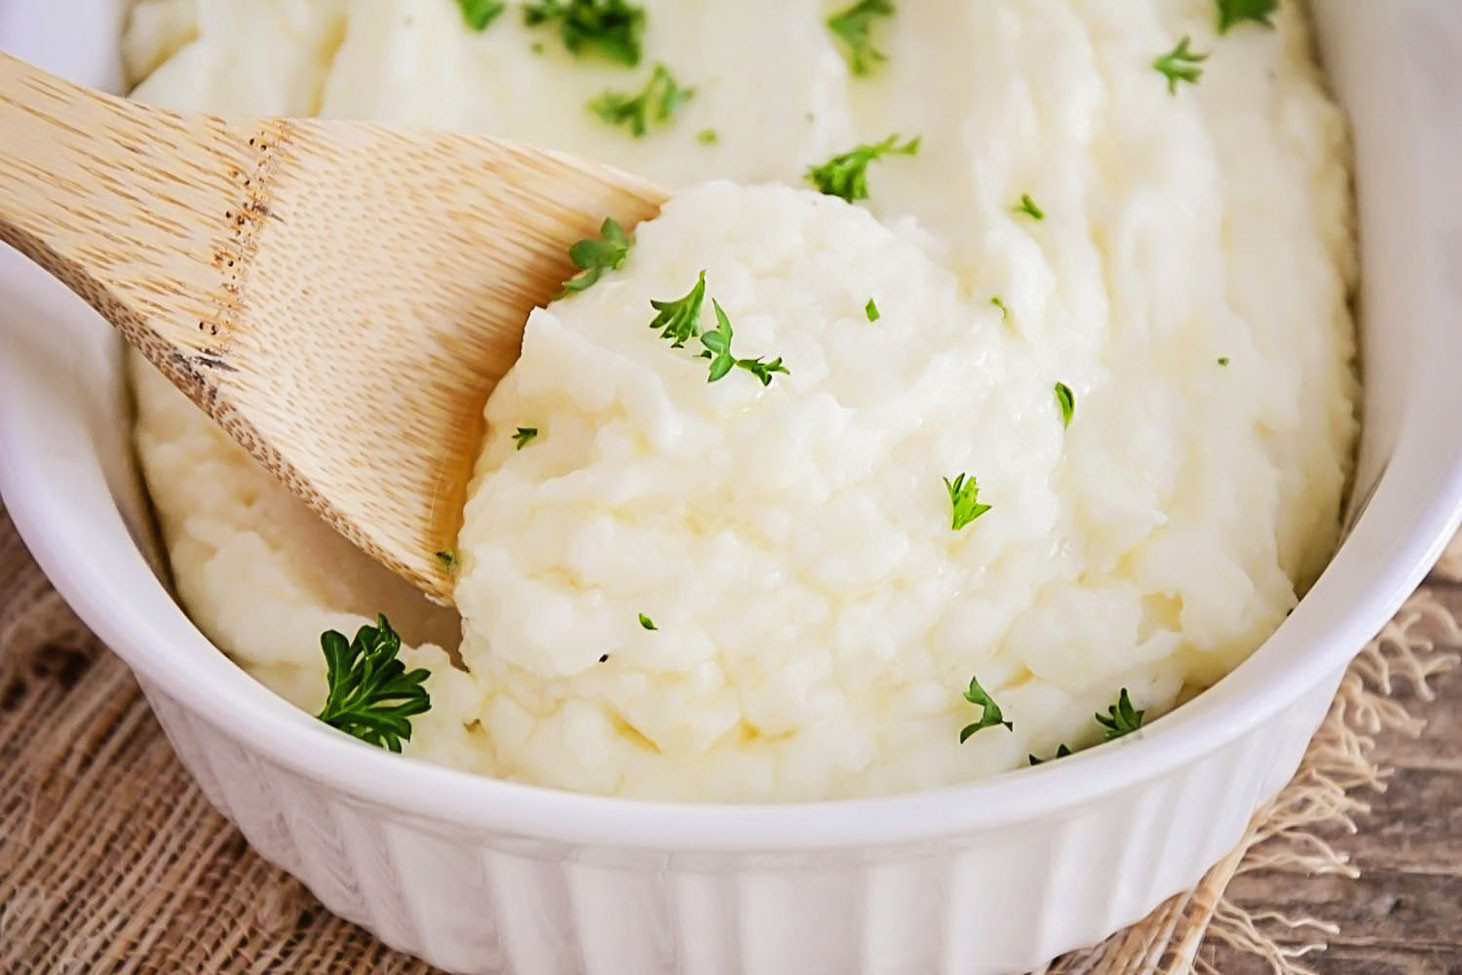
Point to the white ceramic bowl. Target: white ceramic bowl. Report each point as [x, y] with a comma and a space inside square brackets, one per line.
[484, 876]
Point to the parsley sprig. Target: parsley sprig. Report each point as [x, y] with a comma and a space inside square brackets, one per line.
[990, 714]
[1121, 718]
[846, 175]
[372, 696]
[1231, 12]
[1029, 208]
[613, 28]
[718, 349]
[480, 13]
[679, 318]
[524, 436]
[679, 321]
[658, 101]
[854, 27]
[594, 257]
[964, 499]
[1180, 64]
[1061, 752]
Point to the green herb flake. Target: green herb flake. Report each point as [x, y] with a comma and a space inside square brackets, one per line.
[718, 349]
[1223, 360]
[1061, 752]
[999, 302]
[679, 318]
[846, 175]
[1121, 718]
[1029, 208]
[871, 310]
[594, 257]
[964, 497]
[707, 137]
[854, 28]
[371, 694]
[1066, 399]
[536, 47]
[524, 436]
[647, 623]
[718, 345]
[480, 13]
[447, 558]
[1180, 64]
[612, 28]
[658, 101]
[1232, 12]
[990, 714]
[763, 370]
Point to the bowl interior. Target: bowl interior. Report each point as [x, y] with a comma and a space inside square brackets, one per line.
[70, 484]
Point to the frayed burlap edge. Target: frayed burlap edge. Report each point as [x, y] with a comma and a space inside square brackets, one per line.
[111, 860]
[1329, 791]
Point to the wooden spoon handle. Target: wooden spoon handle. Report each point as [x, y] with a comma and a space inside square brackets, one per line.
[111, 198]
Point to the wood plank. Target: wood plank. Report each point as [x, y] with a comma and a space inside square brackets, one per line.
[1403, 915]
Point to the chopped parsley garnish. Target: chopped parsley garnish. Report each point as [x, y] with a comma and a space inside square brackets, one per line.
[1029, 208]
[1231, 12]
[718, 345]
[679, 318]
[480, 13]
[1061, 752]
[647, 623]
[964, 497]
[707, 137]
[1121, 718]
[846, 175]
[763, 370]
[594, 257]
[613, 28]
[871, 310]
[853, 27]
[524, 436]
[679, 321]
[1223, 360]
[1180, 64]
[658, 101]
[1066, 399]
[999, 302]
[372, 696]
[718, 350]
[447, 558]
[990, 715]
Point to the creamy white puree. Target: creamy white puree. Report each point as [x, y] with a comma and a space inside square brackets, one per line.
[817, 618]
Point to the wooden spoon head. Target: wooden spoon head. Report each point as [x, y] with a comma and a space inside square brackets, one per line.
[340, 297]
[379, 290]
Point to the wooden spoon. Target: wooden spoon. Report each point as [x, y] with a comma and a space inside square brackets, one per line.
[340, 297]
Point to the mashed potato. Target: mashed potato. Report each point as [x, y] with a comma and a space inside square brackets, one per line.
[816, 618]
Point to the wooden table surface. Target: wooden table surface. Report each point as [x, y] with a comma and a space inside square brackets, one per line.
[1404, 913]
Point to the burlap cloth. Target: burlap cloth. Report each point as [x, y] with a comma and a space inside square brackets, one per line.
[111, 860]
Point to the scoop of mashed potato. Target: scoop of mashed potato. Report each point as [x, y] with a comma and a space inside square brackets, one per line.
[815, 614]
[816, 618]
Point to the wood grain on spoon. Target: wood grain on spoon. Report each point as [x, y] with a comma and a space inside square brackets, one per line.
[340, 297]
